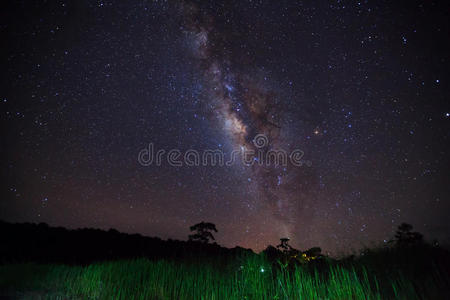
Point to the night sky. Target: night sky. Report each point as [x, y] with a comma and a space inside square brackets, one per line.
[360, 88]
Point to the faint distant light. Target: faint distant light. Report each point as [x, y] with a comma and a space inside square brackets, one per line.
[437, 80]
[447, 115]
[262, 270]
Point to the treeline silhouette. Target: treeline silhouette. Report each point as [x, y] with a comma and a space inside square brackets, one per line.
[27, 242]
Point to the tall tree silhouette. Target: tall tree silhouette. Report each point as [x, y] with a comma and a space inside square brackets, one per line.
[404, 236]
[203, 232]
[284, 246]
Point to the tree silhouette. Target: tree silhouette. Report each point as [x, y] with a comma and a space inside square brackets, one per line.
[405, 237]
[313, 252]
[284, 246]
[203, 232]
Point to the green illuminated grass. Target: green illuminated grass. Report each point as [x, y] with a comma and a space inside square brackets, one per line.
[249, 278]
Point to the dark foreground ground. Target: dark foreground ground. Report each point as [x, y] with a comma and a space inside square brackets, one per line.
[135, 267]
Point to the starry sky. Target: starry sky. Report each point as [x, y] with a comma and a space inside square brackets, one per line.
[360, 88]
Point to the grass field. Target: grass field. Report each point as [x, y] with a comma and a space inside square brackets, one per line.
[252, 277]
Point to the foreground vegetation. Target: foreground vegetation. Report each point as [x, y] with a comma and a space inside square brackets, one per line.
[42, 262]
[380, 274]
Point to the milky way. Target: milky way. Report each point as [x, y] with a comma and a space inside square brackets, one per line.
[360, 89]
[245, 108]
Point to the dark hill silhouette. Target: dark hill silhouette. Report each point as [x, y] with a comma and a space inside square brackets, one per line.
[27, 242]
